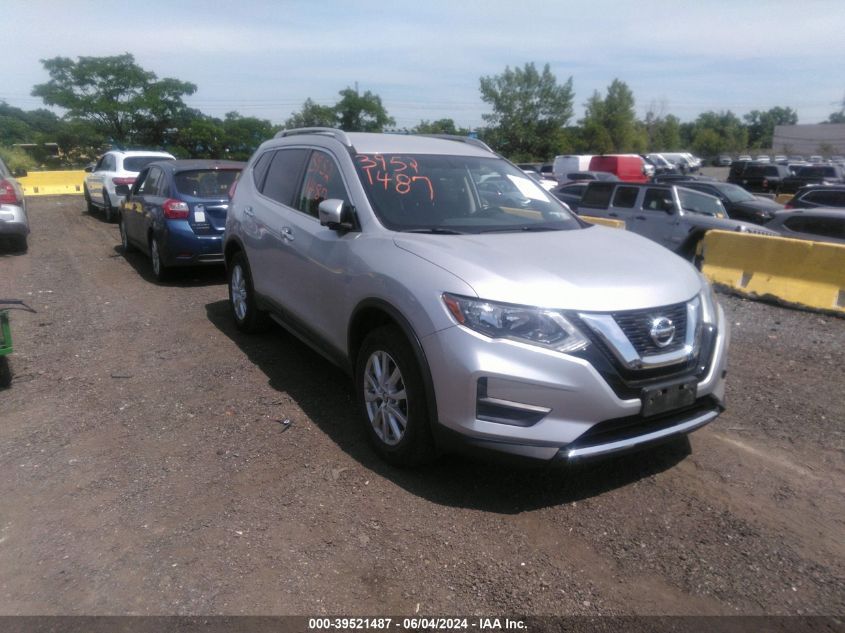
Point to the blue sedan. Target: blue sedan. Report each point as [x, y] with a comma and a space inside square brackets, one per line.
[176, 212]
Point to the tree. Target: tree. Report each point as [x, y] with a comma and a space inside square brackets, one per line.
[715, 132]
[663, 131]
[441, 126]
[120, 98]
[530, 110]
[312, 115]
[761, 125]
[611, 123]
[361, 113]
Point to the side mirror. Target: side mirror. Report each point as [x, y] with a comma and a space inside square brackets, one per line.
[19, 173]
[89, 168]
[330, 213]
[668, 206]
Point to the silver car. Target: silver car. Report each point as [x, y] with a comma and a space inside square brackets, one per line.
[14, 223]
[469, 315]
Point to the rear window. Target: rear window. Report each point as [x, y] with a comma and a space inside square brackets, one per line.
[829, 198]
[137, 163]
[206, 183]
[827, 227]
[817, 172]
[625, 197]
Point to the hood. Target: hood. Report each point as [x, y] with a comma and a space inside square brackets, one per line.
[760, 202]
[594, 269]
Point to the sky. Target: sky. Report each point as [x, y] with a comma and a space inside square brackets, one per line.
[424, 59]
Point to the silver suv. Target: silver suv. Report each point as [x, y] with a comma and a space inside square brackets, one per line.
[467, 303]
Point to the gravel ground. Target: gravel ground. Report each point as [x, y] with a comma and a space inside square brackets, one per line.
[155, 461]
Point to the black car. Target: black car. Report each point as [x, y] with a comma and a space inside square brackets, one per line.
[739, 203]
[571, 193]
[176, 212]
[813, 175]
[737, 169]
[762, 178]
[818, 196]
[818, 225]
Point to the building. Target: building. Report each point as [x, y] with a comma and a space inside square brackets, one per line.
[827, 139]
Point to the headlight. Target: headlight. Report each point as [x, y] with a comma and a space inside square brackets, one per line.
[538, 326]
[708, 301]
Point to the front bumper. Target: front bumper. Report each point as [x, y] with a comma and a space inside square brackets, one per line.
[531, 402]
[13, 220]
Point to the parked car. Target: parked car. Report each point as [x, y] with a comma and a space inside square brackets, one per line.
[574, 176]
[682, 161]
[669, 214]
[744, 157]
[763, 158]
[813, 175]
[630, 168]
[14, 223]
[818, 224]
[566, 163]
[738, 202]
[570, 193]
[462, 321]
[108, 181]
[780, 159]
[816, 159]
[818, 196]
[762, 178]
[176, 212]
[661, 165]
[724, 160]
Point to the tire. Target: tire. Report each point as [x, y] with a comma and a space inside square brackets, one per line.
[160, 271]
[21, 244]
[108, 209]
[5, 372]
[89, 206]
[124, 238]
[391, 397]
[248, 318]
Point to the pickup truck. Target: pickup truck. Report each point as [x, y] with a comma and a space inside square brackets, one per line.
[761, 178]
[671, 215]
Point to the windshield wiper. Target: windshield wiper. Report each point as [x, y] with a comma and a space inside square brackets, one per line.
[435, 230]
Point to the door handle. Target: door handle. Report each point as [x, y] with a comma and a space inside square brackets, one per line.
[613, 215]
[287, 234]
[639, 217]
[248, 211]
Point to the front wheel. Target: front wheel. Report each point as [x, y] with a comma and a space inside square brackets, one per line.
[391, 396]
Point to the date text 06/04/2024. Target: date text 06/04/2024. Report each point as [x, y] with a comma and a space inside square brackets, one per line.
[415, 624]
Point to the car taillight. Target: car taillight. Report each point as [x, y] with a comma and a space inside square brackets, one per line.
[123, 181]
[765, 183]
[233, 186]
[8, 195]
[175, 209]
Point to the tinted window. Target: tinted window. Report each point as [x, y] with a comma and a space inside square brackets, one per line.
[573, 190]
[151, 185]
[205, 183]
[826, 227]
[137, 163]
[827, 198]
[260, 169]
[625, 197]
[322, 182]
[597, 195]
[284, 174]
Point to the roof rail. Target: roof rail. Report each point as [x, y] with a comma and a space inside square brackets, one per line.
[325, 131]
[462, 139]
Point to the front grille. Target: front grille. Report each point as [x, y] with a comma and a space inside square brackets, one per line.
[636, 324]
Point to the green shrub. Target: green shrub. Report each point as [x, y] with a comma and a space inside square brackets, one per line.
[16, 158]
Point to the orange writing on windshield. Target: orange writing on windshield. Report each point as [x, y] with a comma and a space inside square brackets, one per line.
[399, 174]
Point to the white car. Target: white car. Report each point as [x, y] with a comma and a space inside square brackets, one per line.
[108, 182]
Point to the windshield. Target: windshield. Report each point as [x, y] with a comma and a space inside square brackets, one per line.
[206, 183]
[736, 194]
[701, 203]
[137, 163]
[457, 194]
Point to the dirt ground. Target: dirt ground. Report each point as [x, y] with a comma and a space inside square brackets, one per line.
[153, 460]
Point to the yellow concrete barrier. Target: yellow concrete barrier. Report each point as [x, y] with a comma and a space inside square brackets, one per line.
[616, 224]
[801, 272]
[51, 183]
[783, 198]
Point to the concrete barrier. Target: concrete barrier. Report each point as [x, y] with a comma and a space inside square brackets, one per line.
[51, 183]
[783, 198]
[616, 224]
[800, 272]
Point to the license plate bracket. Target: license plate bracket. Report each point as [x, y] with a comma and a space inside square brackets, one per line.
[668, 397]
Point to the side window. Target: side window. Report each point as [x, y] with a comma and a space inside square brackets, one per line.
[625, 197]
[109, 163]
[827, 227]
[150, 186]
[260, 169]
[597, 195]
[322, 181]
[283, 175]
[101, 164]
[658, 200]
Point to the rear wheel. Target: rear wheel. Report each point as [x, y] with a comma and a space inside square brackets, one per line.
[248, 318]
[89, 206]
[391, 396]
[5, 372]
[159, 269]
[109, 210]
[124, 238]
